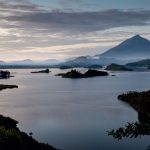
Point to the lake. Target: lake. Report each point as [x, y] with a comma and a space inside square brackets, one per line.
[74, 114]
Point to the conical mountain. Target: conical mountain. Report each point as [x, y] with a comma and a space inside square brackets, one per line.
[135, 47]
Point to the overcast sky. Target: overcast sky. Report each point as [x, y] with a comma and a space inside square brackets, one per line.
[60, 29]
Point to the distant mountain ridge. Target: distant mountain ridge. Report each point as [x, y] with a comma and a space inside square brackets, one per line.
[28, 63]
[141, 63]
[132, 48]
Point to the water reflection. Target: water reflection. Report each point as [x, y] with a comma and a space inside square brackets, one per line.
[73, 114]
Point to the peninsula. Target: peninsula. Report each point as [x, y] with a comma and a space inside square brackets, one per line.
[3, 86]
[140, 101]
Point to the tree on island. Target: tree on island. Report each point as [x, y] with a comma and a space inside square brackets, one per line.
[87, 74]
[4, 74]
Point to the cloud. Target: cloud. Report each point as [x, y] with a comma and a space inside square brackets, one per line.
[33, 17]
[15, 6]
[69, 2]
[30, 28]
[78, 22]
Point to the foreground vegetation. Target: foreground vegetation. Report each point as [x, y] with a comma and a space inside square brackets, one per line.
[11, 138]
[140, 101]
[131, 130]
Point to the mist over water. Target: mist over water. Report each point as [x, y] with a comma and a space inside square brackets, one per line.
[74, 114]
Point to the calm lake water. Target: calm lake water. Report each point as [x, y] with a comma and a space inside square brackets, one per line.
[74, 114]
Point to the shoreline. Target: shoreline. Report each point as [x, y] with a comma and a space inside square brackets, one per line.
[12, 138]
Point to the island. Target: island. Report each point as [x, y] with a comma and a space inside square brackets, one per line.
[5, 74]
[116, 67]
[3, 86]
[42, 71]
[77, 74]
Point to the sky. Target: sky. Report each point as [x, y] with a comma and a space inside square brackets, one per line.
[62, 29]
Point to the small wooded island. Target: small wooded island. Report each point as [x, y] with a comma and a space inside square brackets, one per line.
[116, 67]
[5, 74]
[42, 71]
[88, 74]
[3, 86]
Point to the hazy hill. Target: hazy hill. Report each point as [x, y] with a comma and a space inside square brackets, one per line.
[28, 63]
[141, 63]
[116, 67]
[134, 48]
[83, 61]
